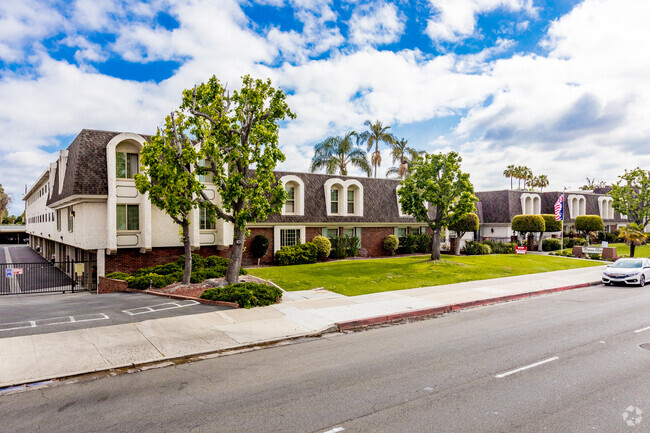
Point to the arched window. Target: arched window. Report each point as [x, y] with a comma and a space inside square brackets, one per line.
[295, 188]
[344, 198]
[531, 204]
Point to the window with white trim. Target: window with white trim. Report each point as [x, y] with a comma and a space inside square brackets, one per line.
[58, 220]
[204, 220]
[334, 201]
[400, 232]
[126, 165]
[331, 233]
[290, 203]
[128, 217]
[350, 202]
[289, 237]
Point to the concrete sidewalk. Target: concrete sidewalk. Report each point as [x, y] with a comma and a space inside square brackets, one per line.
[47, 356]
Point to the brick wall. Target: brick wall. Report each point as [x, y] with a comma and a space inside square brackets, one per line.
[372, 240]
[247, 259]
[130, 260]
[108, 285]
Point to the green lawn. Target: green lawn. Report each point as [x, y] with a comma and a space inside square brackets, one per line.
[360, 277]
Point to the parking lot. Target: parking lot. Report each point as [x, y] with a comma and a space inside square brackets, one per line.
[54, 312]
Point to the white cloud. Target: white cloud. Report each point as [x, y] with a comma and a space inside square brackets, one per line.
[376, 24]
[455, 20]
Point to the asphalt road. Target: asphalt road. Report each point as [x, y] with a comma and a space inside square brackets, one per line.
[464, 372]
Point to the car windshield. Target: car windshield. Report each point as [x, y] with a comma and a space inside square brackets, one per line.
[628, 264]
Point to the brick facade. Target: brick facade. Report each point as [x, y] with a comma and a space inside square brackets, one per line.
[108, 285]
[130, 260]
[248, 259]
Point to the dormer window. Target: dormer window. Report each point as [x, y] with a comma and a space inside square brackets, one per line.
[350, 202]
[126, 165]
[290, 203]
[334, 201]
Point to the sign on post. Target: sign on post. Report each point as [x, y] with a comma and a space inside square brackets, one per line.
[18, 271]
[521, 250]
[9, 272]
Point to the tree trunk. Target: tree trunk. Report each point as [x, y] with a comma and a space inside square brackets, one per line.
[232, 273]
[459, 236]
[187, 273]
[539, 246]
[435, 244]
[632, 250]
[510, 182]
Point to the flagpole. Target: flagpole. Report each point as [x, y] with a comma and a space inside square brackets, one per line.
[562, 224]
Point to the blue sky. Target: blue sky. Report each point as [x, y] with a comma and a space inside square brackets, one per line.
[561, 86]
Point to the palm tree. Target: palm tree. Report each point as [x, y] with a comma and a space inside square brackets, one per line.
[633, 235]
[376, 133]
[337, 153]
[527, 176]
[510, 172]
[403, 155]
[542, 181]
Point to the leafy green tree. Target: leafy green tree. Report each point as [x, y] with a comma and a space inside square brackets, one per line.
[237, 136]
[631, 196]
[404, 156]
[4, 202]
[510, 173]
[377, 133]
[633, 235]
[438, 181]
[168, 177]
[337, 153]
[467, 223]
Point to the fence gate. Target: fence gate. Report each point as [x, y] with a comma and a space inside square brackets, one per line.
[44, 277]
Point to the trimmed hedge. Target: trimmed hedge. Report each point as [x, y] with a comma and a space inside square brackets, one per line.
[528, 223]
[589, 223]
[473, 248]
[551, 244]
[323, 246]
[391, 243]
[299, 254]
[118, 276]
[501, 247]
[550, 224]
[246, 295]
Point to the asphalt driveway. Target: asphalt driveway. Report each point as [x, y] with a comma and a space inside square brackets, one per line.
[54, 312]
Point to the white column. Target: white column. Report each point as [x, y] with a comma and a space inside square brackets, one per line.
[101, 263]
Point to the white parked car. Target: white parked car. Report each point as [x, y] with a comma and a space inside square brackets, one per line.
[627, 271]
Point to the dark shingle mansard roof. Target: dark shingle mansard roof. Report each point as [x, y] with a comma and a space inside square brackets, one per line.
[85, 172]
[379, 201]
[502, 206]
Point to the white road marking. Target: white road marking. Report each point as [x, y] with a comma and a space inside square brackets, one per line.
[517, 370]
[52, 321]
[647, 328]
[335, 430]
[160, 307]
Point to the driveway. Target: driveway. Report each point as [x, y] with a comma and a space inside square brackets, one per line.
[54, 312]
[37, 274]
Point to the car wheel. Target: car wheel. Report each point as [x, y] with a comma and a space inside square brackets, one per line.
[642, 281]
[607, 283]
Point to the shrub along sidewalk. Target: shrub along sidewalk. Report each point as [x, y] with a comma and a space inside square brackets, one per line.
[360, 277]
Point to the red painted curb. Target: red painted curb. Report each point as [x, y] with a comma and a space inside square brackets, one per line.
[359, 323]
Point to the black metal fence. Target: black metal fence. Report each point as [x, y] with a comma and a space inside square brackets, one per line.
[43, 277]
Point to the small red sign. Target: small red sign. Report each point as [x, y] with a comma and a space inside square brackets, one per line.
[521, 250]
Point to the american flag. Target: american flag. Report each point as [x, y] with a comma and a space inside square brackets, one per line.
[559, 208]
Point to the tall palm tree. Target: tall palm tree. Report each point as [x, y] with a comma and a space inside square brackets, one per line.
[542, 181]
[510, 172]
[633, 235]
[527, 176]
[403, 155]
[337, 153]
[376, 134]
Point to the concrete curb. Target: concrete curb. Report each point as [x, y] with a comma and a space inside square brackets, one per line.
[175, 360]
[361, 323]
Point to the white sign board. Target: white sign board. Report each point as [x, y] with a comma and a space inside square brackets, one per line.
[592, 250]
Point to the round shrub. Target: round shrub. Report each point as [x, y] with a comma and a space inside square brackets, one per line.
[259, 246]
[589, 223]
[323, 246]
[467, 223]
[246, 295]
[550, 225]
[391, 243]
[528, 223]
